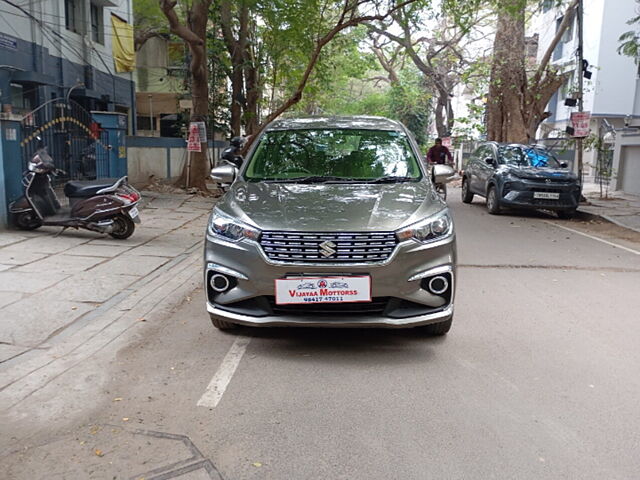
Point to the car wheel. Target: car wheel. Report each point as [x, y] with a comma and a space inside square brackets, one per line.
[493, 206]
[438, 329]
[221, 324]
[467, 195]
[566, 214]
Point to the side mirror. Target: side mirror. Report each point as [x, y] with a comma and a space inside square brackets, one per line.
[224, 173]
[490, 161]
[229, 154]
[564, 164]
[443, 173]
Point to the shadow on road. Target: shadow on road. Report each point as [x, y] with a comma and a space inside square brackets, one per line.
[343, 345]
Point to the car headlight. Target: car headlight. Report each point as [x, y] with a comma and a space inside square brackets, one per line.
[428, 230]
[231, 229]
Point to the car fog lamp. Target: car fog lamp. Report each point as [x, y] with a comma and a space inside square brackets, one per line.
[219, 282]
[438, 285]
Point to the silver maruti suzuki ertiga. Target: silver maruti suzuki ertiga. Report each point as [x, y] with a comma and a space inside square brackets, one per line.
[330, 222]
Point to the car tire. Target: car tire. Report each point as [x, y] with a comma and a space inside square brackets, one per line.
[493, 205]
[566, 214]
[438, 329]
[467, 194]
[221, 324]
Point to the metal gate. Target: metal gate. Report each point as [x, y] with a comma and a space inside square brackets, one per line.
[72, 138]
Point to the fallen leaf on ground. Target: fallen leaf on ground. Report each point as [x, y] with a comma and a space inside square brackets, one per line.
[98, 452]
[117, 399]
[256, 464]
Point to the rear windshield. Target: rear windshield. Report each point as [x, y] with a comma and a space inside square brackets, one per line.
[528, 157]
[333, 153]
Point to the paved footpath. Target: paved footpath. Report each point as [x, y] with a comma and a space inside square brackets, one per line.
[64, 297]
[618, 208]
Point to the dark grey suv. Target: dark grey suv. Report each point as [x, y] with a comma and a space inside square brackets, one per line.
[520, 176]
[330, 222]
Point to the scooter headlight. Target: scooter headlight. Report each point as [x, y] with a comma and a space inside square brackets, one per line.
[430, 229]
[231, 229]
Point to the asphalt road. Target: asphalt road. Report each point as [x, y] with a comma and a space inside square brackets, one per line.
[538, 378]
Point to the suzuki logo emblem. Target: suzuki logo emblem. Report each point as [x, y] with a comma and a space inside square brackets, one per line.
[327, 248]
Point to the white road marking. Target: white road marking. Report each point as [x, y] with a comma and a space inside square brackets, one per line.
[221, 379]
[627, 249]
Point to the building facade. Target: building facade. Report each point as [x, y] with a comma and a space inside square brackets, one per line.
[163, 101]
[58, 48]
[612, 94]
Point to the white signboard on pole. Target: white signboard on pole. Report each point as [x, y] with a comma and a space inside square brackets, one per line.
[193, 142]
[580, 122]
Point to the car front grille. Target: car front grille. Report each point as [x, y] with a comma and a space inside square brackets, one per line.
[320, 247]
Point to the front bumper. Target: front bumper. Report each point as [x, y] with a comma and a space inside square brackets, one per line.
[397, 287]
[520, 194]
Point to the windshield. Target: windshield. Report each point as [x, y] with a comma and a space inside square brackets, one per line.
[529, 157]
[333, 155]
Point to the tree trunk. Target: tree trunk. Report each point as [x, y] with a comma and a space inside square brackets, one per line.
[236, 48]
[252, 87]
[195, 171]
[506, 121]
[516, 106]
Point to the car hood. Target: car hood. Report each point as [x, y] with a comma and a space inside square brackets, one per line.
[330, 207]
[532, 173]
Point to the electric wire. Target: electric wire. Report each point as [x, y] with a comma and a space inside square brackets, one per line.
[43, 27]
[52, 23]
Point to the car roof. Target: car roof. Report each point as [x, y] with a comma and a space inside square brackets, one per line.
[361, 122]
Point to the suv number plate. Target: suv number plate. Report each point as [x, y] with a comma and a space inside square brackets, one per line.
[323, 290]
[547, 195]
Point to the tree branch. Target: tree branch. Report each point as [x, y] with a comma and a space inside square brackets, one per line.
[168, 8]
[569, 14]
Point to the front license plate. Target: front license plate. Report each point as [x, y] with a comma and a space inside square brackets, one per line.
[133, 213]
[546, 195]
[323, 290]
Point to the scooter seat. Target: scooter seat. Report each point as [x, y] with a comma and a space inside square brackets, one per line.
[87, 188]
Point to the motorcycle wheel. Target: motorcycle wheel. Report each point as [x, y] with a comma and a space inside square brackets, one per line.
[123, 227]
[27, 221]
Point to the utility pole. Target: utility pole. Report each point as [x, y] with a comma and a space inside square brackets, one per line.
[151, 125]
[580, 73]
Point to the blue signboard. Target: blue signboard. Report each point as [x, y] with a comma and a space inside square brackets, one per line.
[8, 42]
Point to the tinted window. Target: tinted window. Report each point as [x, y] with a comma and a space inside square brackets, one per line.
[343, 153]
[528, 157]
[511, 155]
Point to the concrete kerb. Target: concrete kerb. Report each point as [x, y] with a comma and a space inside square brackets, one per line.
[585, 215]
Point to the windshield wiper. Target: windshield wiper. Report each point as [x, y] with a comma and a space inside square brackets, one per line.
[390, 179]
[309, 179]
